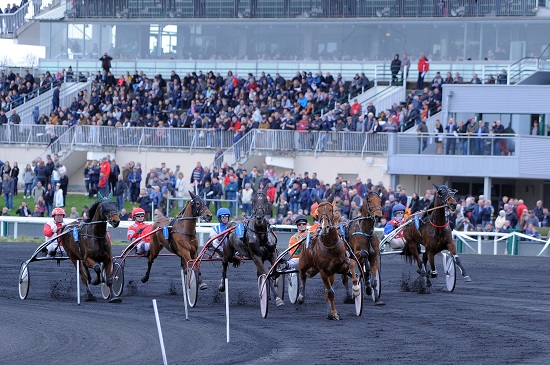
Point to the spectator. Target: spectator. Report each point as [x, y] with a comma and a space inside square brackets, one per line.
[118, 192]
[395, 67]
[23, 210]
[74, 214]
[423, 68]
[106, 62]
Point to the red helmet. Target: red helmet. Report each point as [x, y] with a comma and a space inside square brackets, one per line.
[137, 211]
[57, 211]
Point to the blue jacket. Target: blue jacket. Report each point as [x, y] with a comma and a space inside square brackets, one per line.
[231, 190]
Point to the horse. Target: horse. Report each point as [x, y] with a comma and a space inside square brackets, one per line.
[180, 235]
[91, 244]
[257, 242]
[327, 255]
[365, 243]
[434, 233]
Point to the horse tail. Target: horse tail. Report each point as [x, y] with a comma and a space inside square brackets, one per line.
[407, 254]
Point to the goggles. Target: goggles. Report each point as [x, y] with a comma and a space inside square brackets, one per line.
[140, 215]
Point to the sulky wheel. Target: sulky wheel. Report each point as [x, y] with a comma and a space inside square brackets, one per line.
[118, 278]
[24, 281]
[449, 266]
[293, 287]
[359, 297]
[193, 288]
[263, 290]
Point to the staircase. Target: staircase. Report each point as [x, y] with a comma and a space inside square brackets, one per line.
[44, 101]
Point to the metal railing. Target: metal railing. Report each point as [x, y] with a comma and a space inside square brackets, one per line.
[427, 144]
[29, 135]
[297, 8]
[9, 23]
[378, 72]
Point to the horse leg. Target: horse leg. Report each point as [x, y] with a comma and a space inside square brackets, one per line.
[452, 250]
[302, 270]
[365, 261]
[329, 295]
[85, 278]
[225, 263]
[427, 273]
[97, 269]
[154, 250]
[355, 288]
[374, 261]
[431, 257]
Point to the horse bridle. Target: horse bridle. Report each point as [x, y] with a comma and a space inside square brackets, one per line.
[325, 216]
[450, 194]
[261, 208]
[197, 211]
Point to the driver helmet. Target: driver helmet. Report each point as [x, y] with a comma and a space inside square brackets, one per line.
[59, 211]
[398, 208]
[300, 219]
[137, 211]
[221, 212]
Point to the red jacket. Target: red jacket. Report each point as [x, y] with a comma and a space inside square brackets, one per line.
[51, 228]
[135, 233]
[423, 65]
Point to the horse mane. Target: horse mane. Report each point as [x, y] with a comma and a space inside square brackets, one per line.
[92, 210]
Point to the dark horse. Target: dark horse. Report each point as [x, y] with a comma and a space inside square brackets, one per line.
[434, 233]
[257, 242]
[327, 254]
[90, 244]
[181, 233]
[365, 243]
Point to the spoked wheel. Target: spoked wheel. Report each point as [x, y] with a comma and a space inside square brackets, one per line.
[377, 289]
[24, 281]
[105, 291]
[449, 266]
[292, 287]
[118, 278]
[359, 297]
[263, 289]
[280, 286]
[193, 288]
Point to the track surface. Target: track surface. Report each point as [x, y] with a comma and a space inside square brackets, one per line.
[501, 317]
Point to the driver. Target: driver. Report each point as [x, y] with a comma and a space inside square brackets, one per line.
[301, 224]
[139, 229]
[52, 228]
[223, 215]
[398, 213]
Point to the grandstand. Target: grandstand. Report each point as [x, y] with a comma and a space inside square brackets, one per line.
[284, 37]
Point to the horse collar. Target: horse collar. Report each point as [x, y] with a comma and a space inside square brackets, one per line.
[437, 226]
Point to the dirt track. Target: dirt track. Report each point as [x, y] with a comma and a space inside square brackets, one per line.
[501, 317]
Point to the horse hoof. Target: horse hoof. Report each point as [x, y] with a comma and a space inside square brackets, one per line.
[221, 288]
[349, 299]
[91, 298]
[379, 302]
[419, 272]
[115, 300]
[144, 279]
[203, 286]
[279, 302]
[300, 299]
[334, 317]
[368, 290]
[356, 290]
[467, 279]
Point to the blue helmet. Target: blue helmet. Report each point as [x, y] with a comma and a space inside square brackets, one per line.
[223, 211]
[398, 208]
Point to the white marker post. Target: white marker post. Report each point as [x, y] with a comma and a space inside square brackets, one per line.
[160, 333]
[184, 286]
[227, 309]
[78, 282]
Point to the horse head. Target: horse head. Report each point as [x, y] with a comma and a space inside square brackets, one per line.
[105, 210]
[372, 205]
[446, 195]
[260, 206]
[325, 213]
[199, 208]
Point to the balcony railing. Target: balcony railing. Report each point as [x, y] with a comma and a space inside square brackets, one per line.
[136, 9]
[10, 22]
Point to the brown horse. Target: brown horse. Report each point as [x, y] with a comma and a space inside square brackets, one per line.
[181, 233]
[434, 233]
[327, 255]
[257, 242]
[365, 243]
[91, 244]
